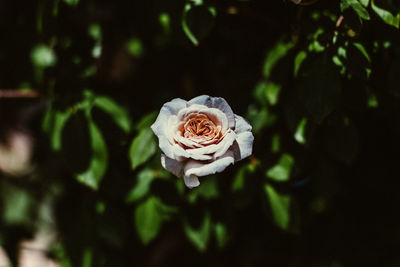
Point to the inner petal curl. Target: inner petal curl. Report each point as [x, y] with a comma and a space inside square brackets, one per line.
[199, 128]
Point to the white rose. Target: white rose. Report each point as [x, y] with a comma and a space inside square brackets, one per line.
[200, 137]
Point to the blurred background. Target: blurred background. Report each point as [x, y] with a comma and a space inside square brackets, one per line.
[81, 182]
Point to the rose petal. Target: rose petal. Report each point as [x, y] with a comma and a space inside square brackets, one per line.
[243, 146]
[172, 165]
[244, 141]
[187, 142]
[199, 168]
[165, 146]
[215, 102]
[175, 151]
[170, 128]
[168, 109]
[180, 152]
[191, 181]
[219, 149]
[189, 109]
[216, 115]
[226, 143]
[242, 125]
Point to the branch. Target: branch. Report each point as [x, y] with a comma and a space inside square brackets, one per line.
[18, 93]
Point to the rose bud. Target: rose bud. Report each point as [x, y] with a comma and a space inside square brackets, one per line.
[200, 137]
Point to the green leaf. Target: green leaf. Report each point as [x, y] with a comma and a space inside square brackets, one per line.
[258, 93]
[300, 57]
[146, 121]
[281, 171]
[299, 135]
[180, 187]
[76, 142]
[364, 2]
[213, 11]
[135, 47]
[95, 31]
[118, 113]
[208, 190]
[260, 118]
[386, 16]
[319, 87]
[315, 41]
[142, 148]
[148, 220]
[142, 187]
[360, 10]
[357, 7]
[275, 143]
[100, 207]
[53, 124]
[197, 20]
[267, 92]
[48, 119]
[272, 91]
[280, 207]
[239, 180]
[185, 26]
[372, 101]
[17, 204]
[87, 257]
[43, 56]
[99, 161]
[166, 210]
[274, 55]
[165, 21]
[362, 49]
[71, 2]
[58, 251]
[221, 234]
[199, 237]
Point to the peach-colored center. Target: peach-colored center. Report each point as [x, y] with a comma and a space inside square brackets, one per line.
[199, 127]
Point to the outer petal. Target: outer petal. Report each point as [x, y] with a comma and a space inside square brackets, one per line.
[176, 152]
[172, 165]
[243, 146]
[170, 128]
[216, 102]
[191, 181]
[166, 146]
[242, 125]
[168, 109]
[199, 168]
[219, 149]
[180, 153]
[187, 142]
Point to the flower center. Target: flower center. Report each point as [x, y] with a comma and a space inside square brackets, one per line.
[200, 127]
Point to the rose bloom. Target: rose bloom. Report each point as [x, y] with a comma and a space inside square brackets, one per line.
[200, 137]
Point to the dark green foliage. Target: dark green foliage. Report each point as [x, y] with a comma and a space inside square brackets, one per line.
[317, 80]
[142, 148]
[76, 141]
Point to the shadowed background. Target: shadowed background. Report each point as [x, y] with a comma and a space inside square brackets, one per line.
[80, 176]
